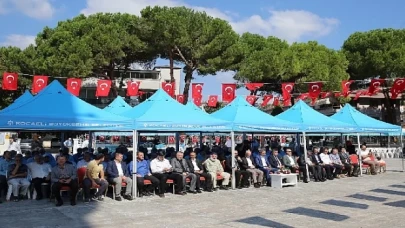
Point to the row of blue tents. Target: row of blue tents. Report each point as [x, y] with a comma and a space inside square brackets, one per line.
[54, 108]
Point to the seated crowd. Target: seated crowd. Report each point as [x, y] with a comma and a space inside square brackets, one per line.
[188, 172]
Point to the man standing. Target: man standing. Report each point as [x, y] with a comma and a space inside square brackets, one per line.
[4, 164]
[180, 167]
[68, 144]
[117, 172]
[14, 146]
[64, 174]
[17, 177]
[197, 168]
[95, 178]
[214, 168]
[143, 173]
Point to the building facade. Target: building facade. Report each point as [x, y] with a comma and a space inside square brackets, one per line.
[150, 81]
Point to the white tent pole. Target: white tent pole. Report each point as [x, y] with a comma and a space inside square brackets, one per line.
[305, 155]
[232, 159]
[134, 165]
[359, 154]
[402, 151]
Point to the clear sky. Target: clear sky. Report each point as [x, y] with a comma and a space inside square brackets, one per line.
[329, 22]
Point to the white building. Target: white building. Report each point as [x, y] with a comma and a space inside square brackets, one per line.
[151, 80]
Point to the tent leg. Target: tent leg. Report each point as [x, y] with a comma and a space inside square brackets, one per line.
[305, 155]
[402, 151]
[90, 140]
[233, 160]
[359, 154]
[134, 168]
[201, 140]
[177, 137]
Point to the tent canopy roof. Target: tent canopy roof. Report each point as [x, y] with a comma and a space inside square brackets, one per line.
[350, 115]
[26, 96]
[55, 108]
[314, 121]
[160, 112]
[118, 106]
[248, 118]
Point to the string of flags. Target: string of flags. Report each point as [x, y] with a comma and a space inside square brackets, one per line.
[73, 85]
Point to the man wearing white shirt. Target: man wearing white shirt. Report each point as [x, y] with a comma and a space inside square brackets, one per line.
[228, 144]
[327, 163]
[40, 173]
[162, 170]
[14, 146]
[366, 159]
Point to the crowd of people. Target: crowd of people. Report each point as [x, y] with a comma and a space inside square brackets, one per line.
[190, 172]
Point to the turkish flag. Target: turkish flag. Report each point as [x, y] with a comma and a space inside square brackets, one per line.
[10, 81]
[337, 94]
[196, 90]
[276, 101]
[287, 88]
[251, 99]
[141, 93]
[287, 103]
[103, 88]
[169, 88]
[180, 99]
[303, 96]
[397, 87]
[228, 92]
[171, 140]
[197, 100]
[359, 93]
[39, 83]
[133, 88]
[325, 94]
[375, 85]
[346, 87]
[74, 85]
[212, 100]
[254, 86]
[266, 99]
[314, 89]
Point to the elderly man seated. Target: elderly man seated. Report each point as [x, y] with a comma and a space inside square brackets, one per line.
[17, 177]
[214, 168]
[64, 174]
[180, 167]
[366, 159]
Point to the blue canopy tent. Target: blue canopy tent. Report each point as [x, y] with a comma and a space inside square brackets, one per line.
[194, 107]
[20, 100]
[365, 123]
[160, 112]
[313, 121]
[118, 106]
[55, 108]
[247, 118]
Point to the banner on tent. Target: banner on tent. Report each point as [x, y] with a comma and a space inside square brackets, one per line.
[146, 126]
[247, 128]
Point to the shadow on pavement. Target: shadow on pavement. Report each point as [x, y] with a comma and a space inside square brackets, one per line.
[317, 214]
[341, 203]
[386, 191]
[259, 221]
[367, 197]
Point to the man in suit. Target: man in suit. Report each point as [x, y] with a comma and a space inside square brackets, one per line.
[249, 165]
[117, 172]
[263, 164]
[180, 167]
[289, 161]
[197, 168]
[316, 170]
[275, 161]
[352, 169]
[318, 161]
[238, 172]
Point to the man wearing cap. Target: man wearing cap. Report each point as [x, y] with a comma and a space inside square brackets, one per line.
[214, 168]
[162, 170]
[180, 166]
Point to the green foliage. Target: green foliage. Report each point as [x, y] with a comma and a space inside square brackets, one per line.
[277, 110]
[214, 109]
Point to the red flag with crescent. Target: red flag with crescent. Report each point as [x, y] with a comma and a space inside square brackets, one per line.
[103, 88]
[276, 101]
[196, 90]
[73, 85]
[337, 94]
[39, 82]
[286, 89]
[397, 87]
[169, 88]
[251, 99]
[10, 81]
[254, 86]
[325, 94]
[266, 99]
[133, 88]
[303, 96]
[180, 99]
[228, 92]
[314, 89]
[375, 85]
[212, 100]
[346, 87]
[197, 100]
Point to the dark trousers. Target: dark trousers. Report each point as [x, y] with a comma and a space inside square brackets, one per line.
[87, 186]
[329, 171]
[37, 182]
[177, 178]
[316, 170]
[245, 177]
[208, 181]
[355, 169]
[151, 187]
[73, 185]
[338, 170]
[348, 169]
[3, 185]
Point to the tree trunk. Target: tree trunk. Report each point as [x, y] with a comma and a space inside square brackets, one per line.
[391, 111]
[187, 80]
[171, 65]
[114, 89]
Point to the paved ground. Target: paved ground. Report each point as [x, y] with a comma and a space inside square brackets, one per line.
[369, 201]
